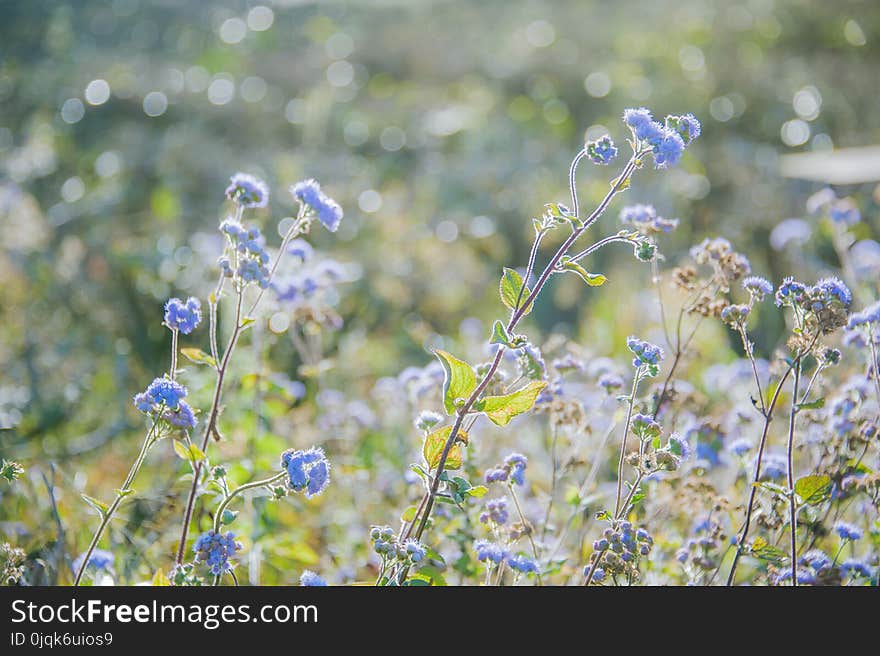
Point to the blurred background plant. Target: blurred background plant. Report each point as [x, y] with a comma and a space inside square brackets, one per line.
[441, 128]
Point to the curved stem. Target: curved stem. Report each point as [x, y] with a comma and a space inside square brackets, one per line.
[218, 517]
[629, 412]
[602, 242]
[123, 492]
[515, 318]
[528, 529]
[792, 505]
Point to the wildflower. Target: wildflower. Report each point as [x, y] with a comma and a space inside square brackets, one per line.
[844, 212]
[308, 192]
[870, 315]
[804, 577]
[735, 314]
[300, 248]
[646, 354]
[415, 550]
[100, 559]
[247, 191]
[517, 463]
[166, 396]
[848, 531]
[790, 292]
[307, 471]
[496, 512]
[687, 126]
[646, 220]
[611, 382]
[522, 564]
[181, 316]
[640, 121]
[427, 419]
[490, 551]
[834, 289]
[601, 151]
[758, 287]
[531, 362]
[216, 550]
[311, 580]
[668, 149]
[855, 568]
[817, 560]
[678, 446]
[774, 466]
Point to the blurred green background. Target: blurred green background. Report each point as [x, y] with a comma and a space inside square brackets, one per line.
[440, 127]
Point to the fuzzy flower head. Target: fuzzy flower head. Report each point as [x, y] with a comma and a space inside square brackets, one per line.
[758, 287]
[309, 194]
[687, 126]
[490, 551]
[644, 426]
[645, 219]
[522, 564]
[311, 580]
[100, 559]
[601, 151]
[307, 471]
[251, 254]
[646, 354]
[847, 531]
[496, 512]
[183, 316]
[216, 550]
[415, 550]
[247, 191]
[735, 315]
[790, 292]
[512, 469]
[163, 398]
[427, 419]
[866, 318]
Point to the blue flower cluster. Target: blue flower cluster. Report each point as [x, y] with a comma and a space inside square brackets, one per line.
[216, 550]
[247, 191]
[163, 398]
[311, 580]
[645, 219]
[307, 470]
[644, 426]
[490, 551]
[328, 211]
[522, 564]
[758, 287]
[427, 419]
[100, 559]
[513, 469]
[646, 354]
[848, 531]
[667, 140]
[415, 550]
[183, 316]
[870, 315]
[601, 151]
[251, 254]
[496, 512]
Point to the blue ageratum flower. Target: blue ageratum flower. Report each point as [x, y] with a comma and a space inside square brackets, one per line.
[307, 471]
[308, 192]
[833, 289]
[790, 292]
[646, 220]
[164, 398]
[516, 462]
[311, 580]
[758, 287]
[99, 560]
[490, 551]
[646, 353]
[247, 191]
[855, 568]
[870, 315]
[415, 550]
[668, 148]
[641, 122]
[848, 531]
[687, 126]
[183, 316]
[601, 151]
[667, 141]
[216, 550]
[522, 564]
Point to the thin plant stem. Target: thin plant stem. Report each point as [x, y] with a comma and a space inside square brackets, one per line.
[792, 504]
[528, 529]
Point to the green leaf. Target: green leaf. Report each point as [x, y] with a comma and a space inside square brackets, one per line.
[501, 409]
[433, 448]
[477, 491]
[766, 551]
[500, 334]
[812, 405]
[814, 489]
[247, 322]
[409, 514]
[459, 379]
[509, 288]
[198, 356]
[190, 453]
[592, 279]
[624, 184]
[159, 579]
[228, 516]
[99, 506]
